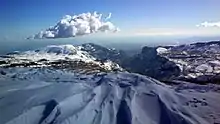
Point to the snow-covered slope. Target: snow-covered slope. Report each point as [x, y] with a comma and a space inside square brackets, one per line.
[103, 53]
[55, 53]
[66, 84]
[199, 61]
[54, 96]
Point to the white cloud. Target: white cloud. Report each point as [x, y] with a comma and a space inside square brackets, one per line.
[82, 24]
[209, 24]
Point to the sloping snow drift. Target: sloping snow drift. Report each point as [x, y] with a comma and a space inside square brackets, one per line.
[48, 96]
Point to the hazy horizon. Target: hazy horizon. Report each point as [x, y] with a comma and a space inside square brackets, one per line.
[122, 43]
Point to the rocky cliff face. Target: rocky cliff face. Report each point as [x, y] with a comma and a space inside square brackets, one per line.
[102, 54]
[149, 63]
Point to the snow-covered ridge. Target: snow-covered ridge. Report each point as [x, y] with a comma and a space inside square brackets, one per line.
[54, 53]
[198, 60]
[161, 50]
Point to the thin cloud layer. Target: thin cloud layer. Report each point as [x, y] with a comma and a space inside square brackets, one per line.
[82, 24]
[209, 24]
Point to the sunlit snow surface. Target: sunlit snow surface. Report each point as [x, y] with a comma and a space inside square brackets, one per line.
[53, 96]
[47, 86]
[199, 61]
[55, 52]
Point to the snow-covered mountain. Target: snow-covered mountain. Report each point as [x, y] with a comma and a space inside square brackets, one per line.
[199, 62]
[147, 62]
[66, 84]
[103, 53]
[55, 55]
[56, 96]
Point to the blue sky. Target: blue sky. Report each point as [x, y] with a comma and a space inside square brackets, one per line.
[22, 18]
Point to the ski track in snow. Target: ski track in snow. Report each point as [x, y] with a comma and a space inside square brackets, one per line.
[37, 96]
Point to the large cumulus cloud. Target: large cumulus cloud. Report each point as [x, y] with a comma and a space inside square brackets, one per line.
[82, 24]
[209, 24]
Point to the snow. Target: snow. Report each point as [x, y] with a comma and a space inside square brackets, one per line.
[55, 52]
[204, 68]
[40, 94]
[161, 50]
[111, 98]
[214, 63]
[196, 59]
[32, 116]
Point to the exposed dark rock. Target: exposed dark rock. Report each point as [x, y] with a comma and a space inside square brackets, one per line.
[42, 60]
[26, 64]
[123, 85]
[150, 64]
[3, 62]
[2, 72]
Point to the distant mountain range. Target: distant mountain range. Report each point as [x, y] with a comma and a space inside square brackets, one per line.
[88, 83]
[197, 62]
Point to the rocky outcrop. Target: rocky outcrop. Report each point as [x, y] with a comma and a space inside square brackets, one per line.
[199, 62]
[102, 53]
[149, 63]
